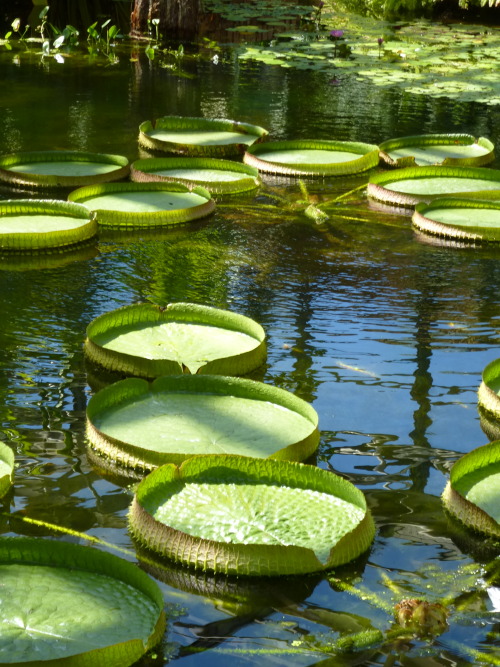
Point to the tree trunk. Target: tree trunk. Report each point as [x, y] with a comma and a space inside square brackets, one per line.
[178, 18]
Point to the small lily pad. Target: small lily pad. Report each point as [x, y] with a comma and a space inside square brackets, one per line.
[218, 176]
[64, 604]
[410, 186]
[199, 136]
[250, 516]
[125, 205]
[473, 493]
[142, 425]
[462, 219]
[431, 149]
[149, 341]
[6, 468]
[61, 169]
[36, 225]
[489, 389]
[312, 158]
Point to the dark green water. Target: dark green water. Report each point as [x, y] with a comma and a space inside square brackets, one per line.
[384, 333]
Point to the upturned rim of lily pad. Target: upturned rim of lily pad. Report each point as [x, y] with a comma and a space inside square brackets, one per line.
[125, 393]
[428, 140]
[469, 513]
[143, 171]
[72, 557]
[123, 219]
[41, 241]
[7, 477]
[475, 233]
[33, 180]
[196, 124]
[243, 557]
[368, 157]
[488, 398]
[379, 184]
[148, 314]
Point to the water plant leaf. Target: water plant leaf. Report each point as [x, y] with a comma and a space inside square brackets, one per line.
[312, 158]
[429, 149]
[56, 169]
[65, 604]
[29, 225]
[149, 341]
[472, 494]
[199, 136]
[412, 185]
[6, 468]
[176, 417]
[144, 204]
[463, 219]
[489, 390]
[249, 516]
[218, 176]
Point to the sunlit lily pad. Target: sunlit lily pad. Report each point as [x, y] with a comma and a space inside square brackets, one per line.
[489, 389]
[312, 158]
[217, 176]
[473, 493]
[126, 205]
[142, 425]
[250, 516]
[199, 136]
[412, 185]
[463, 219]
[61, 169]
[149, 341]
[66, 605]
[6, 468]
[39, 225]
[431, 149]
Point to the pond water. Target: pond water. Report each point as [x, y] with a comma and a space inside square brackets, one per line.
[383, 332]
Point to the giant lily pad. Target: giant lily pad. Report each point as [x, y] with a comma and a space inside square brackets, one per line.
[31, 225]
[472, 494]
[431, 149]
[250, 516]
[489, 389]
[142, 425]
[61, 169]
[68, 605]
[199, 136]
[149, 341]
[463, 219]
[6, 468]
[144, 204]
[218, 176]
[312, 158]
[410, 186]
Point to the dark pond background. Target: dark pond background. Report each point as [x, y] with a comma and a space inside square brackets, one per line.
[383, 332]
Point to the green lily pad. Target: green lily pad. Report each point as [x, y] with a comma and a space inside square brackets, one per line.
[144, 204]
[250, 516]
[199, 136]
[473, 493]
[61, 169]
[176, 417]
[6, 468]
[68, 605]
[489, 389]
[410, 186]
[149, 341]
[32, 225]
[312, 158]
[218, 176]
[430, 149]
[463, 219]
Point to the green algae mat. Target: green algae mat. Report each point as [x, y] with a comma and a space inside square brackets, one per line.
[142, 425]
[149, 341]
[247, 516]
